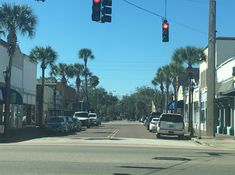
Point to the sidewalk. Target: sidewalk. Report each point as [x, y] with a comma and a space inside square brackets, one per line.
[23, 134]
[219, 141]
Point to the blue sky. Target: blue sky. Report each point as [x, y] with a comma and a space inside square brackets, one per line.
[129, 50]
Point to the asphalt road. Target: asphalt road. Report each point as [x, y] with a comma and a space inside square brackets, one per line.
[112, 160]
[116, 148]
[123, 129]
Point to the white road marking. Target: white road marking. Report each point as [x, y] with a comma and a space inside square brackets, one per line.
[110, 136]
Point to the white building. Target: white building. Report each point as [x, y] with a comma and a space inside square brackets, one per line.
[23, 86]
[224, 89]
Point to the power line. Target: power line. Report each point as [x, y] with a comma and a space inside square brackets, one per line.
[143, 9]
[158, 15]
[196, 1]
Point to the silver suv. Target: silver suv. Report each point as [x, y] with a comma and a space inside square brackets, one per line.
[170, 124]
[58, 124]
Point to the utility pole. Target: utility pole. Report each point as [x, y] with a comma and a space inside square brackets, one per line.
[210, 117]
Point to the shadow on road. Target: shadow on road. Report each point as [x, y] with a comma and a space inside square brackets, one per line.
[24, 134]
[172, 158]
[143, 167]
[186, 137]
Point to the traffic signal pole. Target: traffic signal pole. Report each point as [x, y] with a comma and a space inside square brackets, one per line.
[210, 117]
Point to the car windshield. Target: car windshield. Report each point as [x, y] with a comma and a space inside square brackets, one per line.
[171, 118]
[92, 115]
[81, 114]
[156, 114]
[155, 119]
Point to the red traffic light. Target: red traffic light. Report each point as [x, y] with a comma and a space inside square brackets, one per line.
[96, 1]
[165, 25]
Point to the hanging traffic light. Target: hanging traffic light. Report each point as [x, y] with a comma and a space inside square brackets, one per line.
[96, 7]
[106, 11]
[165, 31]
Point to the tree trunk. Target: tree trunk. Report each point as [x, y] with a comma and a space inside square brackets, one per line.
[162, 97]
[11, 41]
[40, 117]
[87, 98]
[175, 84]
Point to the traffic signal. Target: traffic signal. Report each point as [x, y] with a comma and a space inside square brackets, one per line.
[96, 7]
[106, 11]
[165, 31]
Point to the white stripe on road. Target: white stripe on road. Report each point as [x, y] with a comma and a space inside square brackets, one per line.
[110, 136]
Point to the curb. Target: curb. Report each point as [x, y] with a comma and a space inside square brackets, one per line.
[200, 142]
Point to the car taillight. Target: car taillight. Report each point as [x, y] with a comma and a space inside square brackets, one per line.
[183, 125]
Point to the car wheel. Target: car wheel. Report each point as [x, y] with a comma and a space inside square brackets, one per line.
[181, 137]
[158, 135]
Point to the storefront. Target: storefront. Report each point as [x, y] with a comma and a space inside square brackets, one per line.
[16, 108]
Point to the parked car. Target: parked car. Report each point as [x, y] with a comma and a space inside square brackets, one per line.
[142, 119]
[70, 123]
[153, 124]
[57, 124]
[83, 117]
[93, 119]
[152, 115]
[170, 124]
[77, 124]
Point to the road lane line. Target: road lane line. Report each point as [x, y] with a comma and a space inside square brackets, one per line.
[110, 136]
[113, 133]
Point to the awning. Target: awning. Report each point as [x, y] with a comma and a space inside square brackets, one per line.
[225, 88]
[229, 93]
[16, 97]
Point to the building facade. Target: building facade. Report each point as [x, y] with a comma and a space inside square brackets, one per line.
[224, 89]
[59, 99]
[23, 87]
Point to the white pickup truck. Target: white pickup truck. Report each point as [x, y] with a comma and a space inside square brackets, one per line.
[83, 117]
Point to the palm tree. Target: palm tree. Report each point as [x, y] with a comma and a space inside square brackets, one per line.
[15, 19]
[94, 81]
[86, 54]
[76, 70]
[167, 80]
[46, 56]
[190, 56]
[62, 71]
[176, 70]
[159, 80]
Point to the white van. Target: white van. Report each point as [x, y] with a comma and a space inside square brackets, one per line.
[170, 124]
